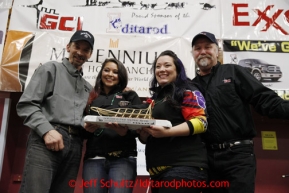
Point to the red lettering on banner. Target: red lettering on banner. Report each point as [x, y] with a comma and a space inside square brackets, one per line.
[262, 15]
[55, 22]
[62, 23]
[270, 21]
[45, 22]
[286, 14]
[237, 14]
[79, 23]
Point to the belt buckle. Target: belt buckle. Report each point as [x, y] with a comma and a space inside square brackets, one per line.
[114, 153]
[72, 130]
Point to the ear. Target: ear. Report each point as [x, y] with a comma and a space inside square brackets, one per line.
[90, 53]
[68, 47]
[217, 51]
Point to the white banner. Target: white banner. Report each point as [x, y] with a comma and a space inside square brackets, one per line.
[137, 53]
[5, 4]
[3, 25]
[266, 60]
[134, 32]
[255, 20]
[180, 19]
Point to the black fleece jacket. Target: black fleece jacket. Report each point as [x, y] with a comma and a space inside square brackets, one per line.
[174, 151]
[229, 91]
[106, 140]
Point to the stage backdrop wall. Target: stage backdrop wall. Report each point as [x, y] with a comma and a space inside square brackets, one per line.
[135, 32]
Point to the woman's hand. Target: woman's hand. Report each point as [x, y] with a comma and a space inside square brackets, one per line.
[157, 131]
[176, 131]
[143, 135]
[121, 130]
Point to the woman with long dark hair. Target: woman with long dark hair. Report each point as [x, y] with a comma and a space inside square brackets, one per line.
[110, 157]
[175, 157]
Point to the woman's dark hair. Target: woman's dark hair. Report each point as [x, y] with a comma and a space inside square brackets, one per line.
[179, 85]
[122, 77]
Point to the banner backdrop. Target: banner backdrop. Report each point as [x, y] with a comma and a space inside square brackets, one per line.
[136, 32]
[4, 12]
[133, 32]
[255, 35]
[3, 25]
[5, 4]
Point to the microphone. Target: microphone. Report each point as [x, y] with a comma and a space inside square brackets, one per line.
[285, 175]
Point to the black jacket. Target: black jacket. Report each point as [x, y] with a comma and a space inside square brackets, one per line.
[174, 151]
[229, 91]
[106, 140]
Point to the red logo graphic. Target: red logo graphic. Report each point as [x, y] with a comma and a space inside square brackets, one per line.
[262, 15]
[62, 23]
[227, 80]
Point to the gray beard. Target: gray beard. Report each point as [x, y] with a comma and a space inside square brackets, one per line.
[203, 62]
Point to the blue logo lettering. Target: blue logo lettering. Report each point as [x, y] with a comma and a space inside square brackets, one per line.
[130, 29]
[116, 26]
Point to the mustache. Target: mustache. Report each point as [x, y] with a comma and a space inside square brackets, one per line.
[80, 57]
[203, 56]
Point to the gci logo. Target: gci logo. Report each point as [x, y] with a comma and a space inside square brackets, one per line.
[63, 23]
[48, 19]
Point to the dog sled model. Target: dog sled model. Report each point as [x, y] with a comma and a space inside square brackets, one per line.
[133, 118]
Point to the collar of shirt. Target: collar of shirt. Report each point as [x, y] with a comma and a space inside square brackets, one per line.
[214, 68]
[71, 69]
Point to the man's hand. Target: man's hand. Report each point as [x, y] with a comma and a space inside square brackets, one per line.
[91, 127]
[53, 140]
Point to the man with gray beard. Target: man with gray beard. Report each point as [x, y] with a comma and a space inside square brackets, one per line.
[229, 91]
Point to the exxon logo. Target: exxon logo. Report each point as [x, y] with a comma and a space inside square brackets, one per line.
[266, 17]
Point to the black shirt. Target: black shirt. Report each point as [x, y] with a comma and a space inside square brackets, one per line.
[106, 140]
[229, 92]
[174, 151]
